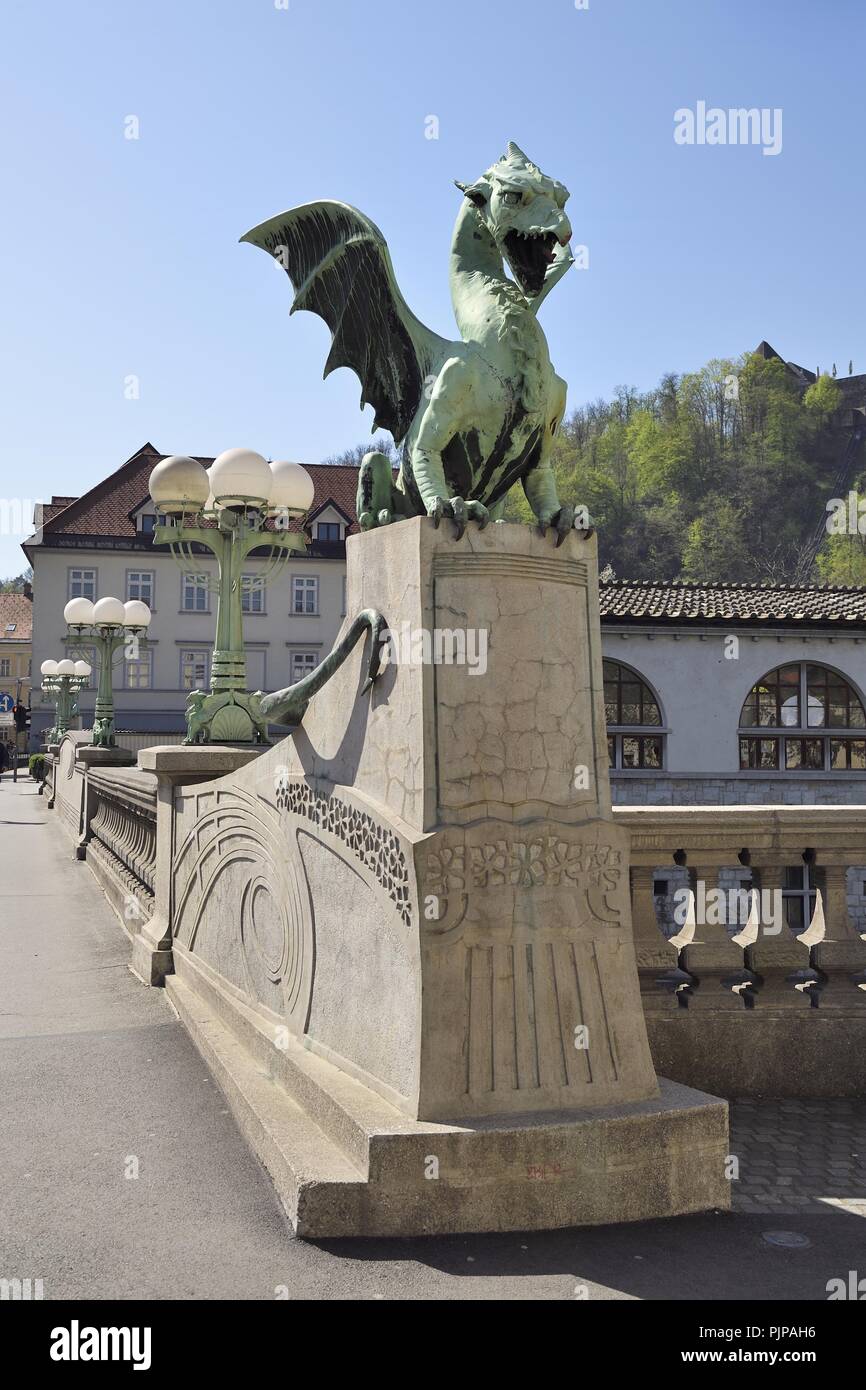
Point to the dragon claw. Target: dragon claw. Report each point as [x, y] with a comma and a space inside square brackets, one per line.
[562, 522]
[460, 512]
[478, 512]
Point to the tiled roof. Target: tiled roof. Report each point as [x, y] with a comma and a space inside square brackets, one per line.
[105, 509]
[17, 609]
[760, 605]
[50, 509]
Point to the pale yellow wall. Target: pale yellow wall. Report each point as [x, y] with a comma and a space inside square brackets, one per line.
[270, 636]
[18, 656]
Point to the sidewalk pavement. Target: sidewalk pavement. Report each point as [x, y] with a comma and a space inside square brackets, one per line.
[98, 1080]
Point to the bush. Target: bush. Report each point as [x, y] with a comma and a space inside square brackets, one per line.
[37, 766]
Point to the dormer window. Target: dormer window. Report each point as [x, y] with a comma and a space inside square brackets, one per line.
[329, 531]
[146, 523]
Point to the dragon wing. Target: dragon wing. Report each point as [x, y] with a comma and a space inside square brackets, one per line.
[339, 266]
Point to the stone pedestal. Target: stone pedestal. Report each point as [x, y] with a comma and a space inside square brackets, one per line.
[104, 757]
[415, 915]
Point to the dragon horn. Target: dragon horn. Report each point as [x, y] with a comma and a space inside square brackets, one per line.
[477, 193]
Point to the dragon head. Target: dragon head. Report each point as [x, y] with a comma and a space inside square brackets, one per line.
[523, 210]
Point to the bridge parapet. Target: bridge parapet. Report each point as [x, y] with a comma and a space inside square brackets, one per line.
[750, 937]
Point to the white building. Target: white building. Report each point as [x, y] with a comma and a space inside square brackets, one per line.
[102, 544]
[735, 694]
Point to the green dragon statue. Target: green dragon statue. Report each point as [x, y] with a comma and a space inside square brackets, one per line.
[473, 417]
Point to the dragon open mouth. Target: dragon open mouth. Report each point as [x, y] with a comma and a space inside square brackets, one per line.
[529, 254]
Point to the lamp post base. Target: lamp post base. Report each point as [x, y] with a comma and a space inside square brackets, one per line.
[225, 716]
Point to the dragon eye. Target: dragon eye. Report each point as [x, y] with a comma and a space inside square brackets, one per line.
[512, 199]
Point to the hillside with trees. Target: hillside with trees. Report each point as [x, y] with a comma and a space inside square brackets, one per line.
[720, 474]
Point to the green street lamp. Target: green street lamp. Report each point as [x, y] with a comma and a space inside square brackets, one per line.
[242, 504]
[107, 626]
[61, 682]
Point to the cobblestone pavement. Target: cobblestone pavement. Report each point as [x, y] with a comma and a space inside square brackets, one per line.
[799, 1156]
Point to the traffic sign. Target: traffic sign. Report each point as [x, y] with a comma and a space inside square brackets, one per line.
[6, 703]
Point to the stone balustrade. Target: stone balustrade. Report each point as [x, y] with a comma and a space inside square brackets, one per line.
[771, 1005]
[120, 839]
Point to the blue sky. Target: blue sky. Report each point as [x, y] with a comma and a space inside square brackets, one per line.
[120, 257]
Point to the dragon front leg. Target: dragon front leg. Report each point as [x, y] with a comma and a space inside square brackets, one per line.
[539, 486]
[455, 388]
[289, 706]
[379, 502]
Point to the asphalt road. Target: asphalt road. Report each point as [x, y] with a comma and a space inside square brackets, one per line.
[99, 1081]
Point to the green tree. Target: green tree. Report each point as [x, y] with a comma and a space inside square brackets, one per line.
[823, 396]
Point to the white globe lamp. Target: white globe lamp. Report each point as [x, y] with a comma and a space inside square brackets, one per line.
[179, 484]
[240, 478]
[78, 612]
[292, 488]
[136, 613]
[109, 612]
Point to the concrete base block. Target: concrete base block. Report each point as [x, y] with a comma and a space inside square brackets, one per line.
[150, 963]
[151, 958]
[347, 1163]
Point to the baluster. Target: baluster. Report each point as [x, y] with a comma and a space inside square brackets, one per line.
[777, 952]
[653, 950]
[842, 951]
[711, 956]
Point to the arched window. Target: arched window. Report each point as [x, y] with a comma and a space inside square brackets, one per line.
[803, 718]
[631, 710]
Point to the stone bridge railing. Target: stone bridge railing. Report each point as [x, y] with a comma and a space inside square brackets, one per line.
[747, 925]
[770, 1003]
[120, 839]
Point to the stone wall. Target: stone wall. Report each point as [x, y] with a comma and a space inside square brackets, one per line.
[704, 789]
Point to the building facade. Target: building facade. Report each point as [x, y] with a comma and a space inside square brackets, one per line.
[101, 544]
[735, 694]
[16, 654]
[16, 625]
